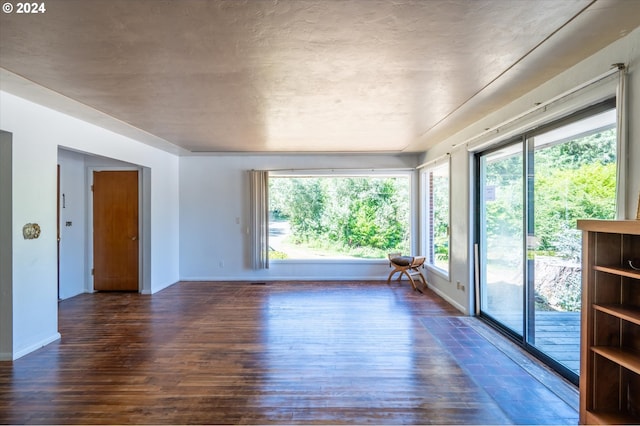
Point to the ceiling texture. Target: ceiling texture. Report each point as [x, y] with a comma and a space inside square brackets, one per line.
[316, 76]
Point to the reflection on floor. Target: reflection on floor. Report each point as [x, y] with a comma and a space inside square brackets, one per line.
[525, 391]
[285, 353]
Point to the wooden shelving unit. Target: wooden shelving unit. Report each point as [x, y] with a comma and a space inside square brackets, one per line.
[610, 330]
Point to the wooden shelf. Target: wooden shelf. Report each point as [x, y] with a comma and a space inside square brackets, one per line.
[611, 226]
[625, 312]
[624, 272]
[610, 324]
[624, 357]
[604, 418]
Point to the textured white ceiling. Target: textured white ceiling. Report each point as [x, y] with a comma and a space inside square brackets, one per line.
[303, 75]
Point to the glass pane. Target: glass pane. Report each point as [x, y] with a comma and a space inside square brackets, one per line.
[501, 236]
[338, 217]
[573, 176]
[438, 208]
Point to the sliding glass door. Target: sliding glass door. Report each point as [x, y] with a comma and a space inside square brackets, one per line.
[501, 235]
[531, 192]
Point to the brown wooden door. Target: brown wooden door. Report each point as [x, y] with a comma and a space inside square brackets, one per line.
[115, 230]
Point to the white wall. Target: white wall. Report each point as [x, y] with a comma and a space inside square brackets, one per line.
[37, 133]
[214, 191]
[627, 51]
[73, 259]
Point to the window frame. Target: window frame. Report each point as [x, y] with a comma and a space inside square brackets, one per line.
[527, 137]
[427, 218]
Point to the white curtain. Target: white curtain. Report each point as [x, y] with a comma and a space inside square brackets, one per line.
[259, 233]
[621, 177]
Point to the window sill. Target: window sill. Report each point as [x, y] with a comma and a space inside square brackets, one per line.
[330, 260]
[438, 272]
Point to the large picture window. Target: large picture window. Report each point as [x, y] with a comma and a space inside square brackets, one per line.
[436, 183]
[338, 217]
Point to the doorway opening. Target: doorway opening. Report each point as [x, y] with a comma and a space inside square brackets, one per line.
[76, 221]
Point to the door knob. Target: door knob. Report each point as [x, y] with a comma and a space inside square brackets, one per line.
[134, 238]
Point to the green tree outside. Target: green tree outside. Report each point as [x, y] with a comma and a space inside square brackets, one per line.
[358, 216]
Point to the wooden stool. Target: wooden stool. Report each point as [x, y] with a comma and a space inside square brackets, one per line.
[408, 265]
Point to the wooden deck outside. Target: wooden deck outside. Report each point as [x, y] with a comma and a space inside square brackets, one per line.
[557, 334]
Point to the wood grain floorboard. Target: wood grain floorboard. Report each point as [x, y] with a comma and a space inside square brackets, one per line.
[235, 353]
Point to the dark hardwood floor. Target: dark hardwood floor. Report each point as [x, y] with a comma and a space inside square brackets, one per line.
[285, 352]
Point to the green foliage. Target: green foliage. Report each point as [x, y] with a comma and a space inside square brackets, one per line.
[596, 148]
[275, 254]
[563, 196]
[349, 214]
[504, 212]
[573, 180]
[440, 212]
[568, 180]
[305, 209]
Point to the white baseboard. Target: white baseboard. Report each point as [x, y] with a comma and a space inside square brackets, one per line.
[5, 356]
[36, 346]
[448, 299]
